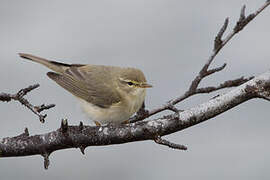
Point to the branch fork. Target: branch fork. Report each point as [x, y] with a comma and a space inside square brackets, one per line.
[19, 96]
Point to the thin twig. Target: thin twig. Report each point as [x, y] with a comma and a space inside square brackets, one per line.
[164, 142]
[214, 70]
[46, 160]
[226, 84]
[19, 96]
[218, 39]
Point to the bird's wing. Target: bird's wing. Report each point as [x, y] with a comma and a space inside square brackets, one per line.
[90, 83]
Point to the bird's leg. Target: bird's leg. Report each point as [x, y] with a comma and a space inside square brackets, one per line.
[125, 122]
[97, 123]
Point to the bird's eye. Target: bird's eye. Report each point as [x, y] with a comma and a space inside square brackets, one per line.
[130, 83]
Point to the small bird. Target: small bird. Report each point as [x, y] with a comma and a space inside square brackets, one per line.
[107, 94]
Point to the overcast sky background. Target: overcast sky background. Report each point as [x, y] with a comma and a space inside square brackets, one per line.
[169, 40]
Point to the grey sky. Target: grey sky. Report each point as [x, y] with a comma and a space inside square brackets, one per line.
[167, 39]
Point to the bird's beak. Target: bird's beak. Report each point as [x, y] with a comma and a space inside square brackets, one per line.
[145, 85]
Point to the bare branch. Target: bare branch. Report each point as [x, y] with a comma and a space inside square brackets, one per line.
[64, 126]
[226, 84]
[46, 160]
[8, 97]
[218, 39]
[242, 13]
[243, 20]
[83, 136]
[19, 96]
[24, 91]
[26, 132]
[82, 148]
[43, 107]
[204, 72]
[214, 70]
[172, 108]
[164, 142]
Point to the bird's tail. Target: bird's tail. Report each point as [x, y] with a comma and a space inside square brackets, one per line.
[53, 65]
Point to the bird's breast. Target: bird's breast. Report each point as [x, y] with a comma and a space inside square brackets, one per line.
[135, 100]
[116, 113]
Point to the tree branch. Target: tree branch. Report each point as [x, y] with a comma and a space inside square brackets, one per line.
[226, 84]
[204, 72]
[83, 136]
[19, 96]
[164, 142]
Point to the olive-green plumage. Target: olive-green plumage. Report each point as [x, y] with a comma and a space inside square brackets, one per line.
[101, 86]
